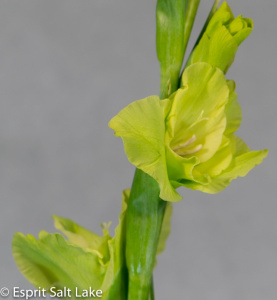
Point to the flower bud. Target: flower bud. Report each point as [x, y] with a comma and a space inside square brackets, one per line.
[219, 42]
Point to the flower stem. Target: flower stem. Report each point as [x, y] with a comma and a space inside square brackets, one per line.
[152, 294]
[170, 46]
[144, 220]
[189, 19]
[145, 212]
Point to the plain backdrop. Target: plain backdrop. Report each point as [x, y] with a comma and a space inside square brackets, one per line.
[66, 68]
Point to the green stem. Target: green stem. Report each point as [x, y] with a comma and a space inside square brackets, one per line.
[189, 19]
[170, 45]
[146, 210]
[144, 220]
[152, 294]
[169, 81]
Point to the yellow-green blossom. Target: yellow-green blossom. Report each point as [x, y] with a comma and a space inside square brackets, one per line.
[84, 260]
[188, 140]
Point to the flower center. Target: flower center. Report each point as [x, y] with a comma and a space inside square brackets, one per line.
[185, 148]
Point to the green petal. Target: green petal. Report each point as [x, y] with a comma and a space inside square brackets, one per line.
[219, 43]
[219, 162]
[240, 28]
[179, 167]
[240, 147]
[243, 161]
[232, 110]
[241, 166]
[86, 260]
[80, 236]
[166, 228]
[141, 126]
[51, 261]
[116, 275]
[198, 110]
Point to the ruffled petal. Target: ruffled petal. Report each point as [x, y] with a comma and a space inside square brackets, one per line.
[86, 260]
[51, 261]
[243, 161]
[80, 236]
[141, 127]
[232, 110]
[197, 119]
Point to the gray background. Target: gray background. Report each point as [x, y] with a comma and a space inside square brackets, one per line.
[67, 67]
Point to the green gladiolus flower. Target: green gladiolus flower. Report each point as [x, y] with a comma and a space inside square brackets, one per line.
[84, 260]
[188, 140]
[220, 40]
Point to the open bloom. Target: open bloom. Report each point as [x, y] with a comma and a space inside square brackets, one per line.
[86, 260]
[188, 140]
